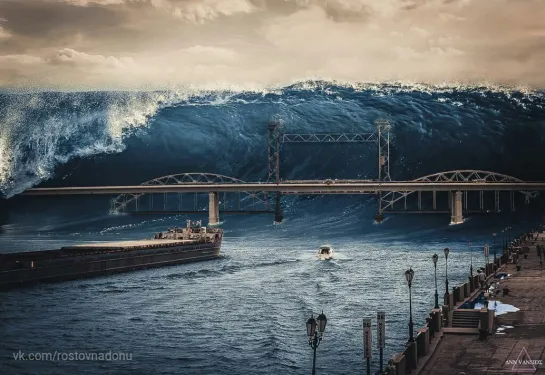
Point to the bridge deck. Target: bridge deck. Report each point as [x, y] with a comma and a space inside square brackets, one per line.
[287, 187]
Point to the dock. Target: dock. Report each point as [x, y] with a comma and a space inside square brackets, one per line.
[500, 351]
[461, 340]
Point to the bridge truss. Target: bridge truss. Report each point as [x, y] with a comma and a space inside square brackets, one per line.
[132, 203]
[387, 200]
[381, 137]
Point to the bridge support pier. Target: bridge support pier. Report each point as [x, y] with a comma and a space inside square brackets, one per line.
[3, 211]
[434, 200]
[497, 201]
[456, 210]
[512, 199]
[213, 208]
[278, 215]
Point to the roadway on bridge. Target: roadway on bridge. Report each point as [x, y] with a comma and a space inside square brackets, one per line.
[295, 187]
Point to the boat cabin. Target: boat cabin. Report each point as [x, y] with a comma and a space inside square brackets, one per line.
[325, 250]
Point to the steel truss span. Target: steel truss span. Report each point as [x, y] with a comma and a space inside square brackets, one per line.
[122, 201]
[329, 137]
[463, 175]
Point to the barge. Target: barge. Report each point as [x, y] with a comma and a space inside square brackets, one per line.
[175, 246]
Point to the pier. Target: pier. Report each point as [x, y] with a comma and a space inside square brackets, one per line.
[458, 339]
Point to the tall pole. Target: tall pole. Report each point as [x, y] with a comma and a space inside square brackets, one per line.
[411, 329]
[381, 330]
[471, 255]
[503, 241]
[436, 294]
[446, 276]
[367, 343]
[494, 236]
[314, 346]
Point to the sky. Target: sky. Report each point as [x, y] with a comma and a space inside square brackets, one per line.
[158, 44]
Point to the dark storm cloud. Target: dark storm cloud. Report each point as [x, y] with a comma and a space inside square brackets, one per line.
[35, 24]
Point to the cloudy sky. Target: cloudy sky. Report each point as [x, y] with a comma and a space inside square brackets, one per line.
[120, 44]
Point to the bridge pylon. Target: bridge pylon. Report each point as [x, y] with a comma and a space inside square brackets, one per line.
[383, 140]
[273, 163]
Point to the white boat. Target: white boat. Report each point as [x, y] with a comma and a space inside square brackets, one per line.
[325, 252]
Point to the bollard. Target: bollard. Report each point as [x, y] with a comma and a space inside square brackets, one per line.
[424, 343]
[437, 320]
[429, 324]
[484, 324]
[399, 362]
[411, 358]
[445, 316]
[456, 293]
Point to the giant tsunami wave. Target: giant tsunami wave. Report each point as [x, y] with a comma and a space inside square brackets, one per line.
[130, 137]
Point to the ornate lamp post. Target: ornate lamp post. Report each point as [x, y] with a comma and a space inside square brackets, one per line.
[434, 259]
[409, 274]
[447, 250]
[315, 335]
[494, 236]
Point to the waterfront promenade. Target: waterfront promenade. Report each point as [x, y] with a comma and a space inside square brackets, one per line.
[467, 354]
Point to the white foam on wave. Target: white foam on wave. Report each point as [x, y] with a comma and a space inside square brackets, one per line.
[31, 148]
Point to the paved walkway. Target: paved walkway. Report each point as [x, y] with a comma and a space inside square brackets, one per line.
[466, 354]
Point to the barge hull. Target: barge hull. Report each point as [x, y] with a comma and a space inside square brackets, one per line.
[109, 264]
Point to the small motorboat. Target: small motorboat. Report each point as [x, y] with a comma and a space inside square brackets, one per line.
[325, 252]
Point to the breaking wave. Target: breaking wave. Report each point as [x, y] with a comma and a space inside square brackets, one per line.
[435, 128]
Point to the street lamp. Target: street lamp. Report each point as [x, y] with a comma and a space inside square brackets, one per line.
[315, 335]
[494, 236]
[409, 274]
[434, 258]
[503, 241]
[447, 250]
[471, 255]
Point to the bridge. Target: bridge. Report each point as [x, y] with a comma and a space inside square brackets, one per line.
[295, 187]
[457, 183]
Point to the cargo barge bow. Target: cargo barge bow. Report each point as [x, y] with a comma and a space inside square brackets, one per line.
[175, 246]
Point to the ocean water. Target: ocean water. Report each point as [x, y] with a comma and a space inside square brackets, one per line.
[245, 313]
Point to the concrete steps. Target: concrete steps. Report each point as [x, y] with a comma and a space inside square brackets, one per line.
[461, 331]
[465, 318]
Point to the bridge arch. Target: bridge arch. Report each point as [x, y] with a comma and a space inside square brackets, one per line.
[120, 203]
[463, 175]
